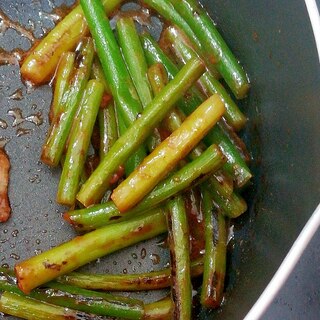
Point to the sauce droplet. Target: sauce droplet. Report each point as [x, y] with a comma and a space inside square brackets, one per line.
[36, 119]
[15, 233]
[22, 131]
[16, 113]
[134, 256]
[143, 253]
[14, 256]
[17, 95]
[37, 251]
[155, 258]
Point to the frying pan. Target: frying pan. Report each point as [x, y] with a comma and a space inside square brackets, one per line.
[275, 43]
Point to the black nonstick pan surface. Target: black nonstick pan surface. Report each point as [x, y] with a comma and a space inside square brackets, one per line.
[274, 42]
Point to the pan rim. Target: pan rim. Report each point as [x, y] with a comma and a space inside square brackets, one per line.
[286, 267]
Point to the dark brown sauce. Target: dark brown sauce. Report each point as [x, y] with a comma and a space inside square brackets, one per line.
[91, 164]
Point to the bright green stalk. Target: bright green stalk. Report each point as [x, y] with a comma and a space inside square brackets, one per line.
[134, 57]
[109, 127]
[100, 215]
[115, 70]
[217, 51]
[41, 63]
[178, 229]
[75, 253]
[183, 51]
[235, 165]
[154, 54]
[127, 282]
[92, 191]
[72, 297]
[78, 144]
[107, 213]
[94, 302]
[32, 309]
[62, 122]
[62, 79]
[232, 205]
[215, 253]
[234, 116]
[167, 11]
[170, 14]
[225, 183]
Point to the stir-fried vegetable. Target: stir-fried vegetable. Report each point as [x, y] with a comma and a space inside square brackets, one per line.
[164, 133]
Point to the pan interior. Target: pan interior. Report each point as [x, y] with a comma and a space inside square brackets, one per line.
[281, 60]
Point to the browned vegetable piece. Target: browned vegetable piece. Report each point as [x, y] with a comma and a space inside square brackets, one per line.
[5, 209]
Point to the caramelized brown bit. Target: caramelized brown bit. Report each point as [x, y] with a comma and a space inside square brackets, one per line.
[52, 266]
[5, 209]
[91, 164]
[105, 101]
[118, 175]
